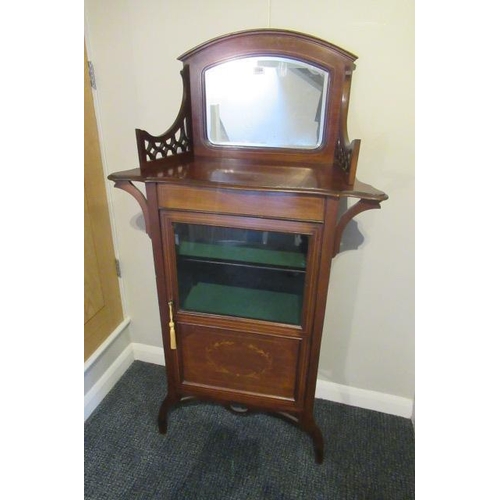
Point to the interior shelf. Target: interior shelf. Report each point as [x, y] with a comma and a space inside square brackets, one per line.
[245, 302]
[244, 254]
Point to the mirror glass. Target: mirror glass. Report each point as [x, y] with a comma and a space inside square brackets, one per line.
[274, 102]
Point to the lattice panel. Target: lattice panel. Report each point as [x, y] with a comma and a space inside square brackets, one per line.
[342, 156]
[157, 148]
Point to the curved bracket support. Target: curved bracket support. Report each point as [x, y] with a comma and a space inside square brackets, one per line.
[140, 198]
[359, 207]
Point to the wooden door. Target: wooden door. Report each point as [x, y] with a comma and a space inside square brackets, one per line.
[102, 302]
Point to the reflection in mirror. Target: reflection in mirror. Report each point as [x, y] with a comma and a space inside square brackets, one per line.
[266, 102]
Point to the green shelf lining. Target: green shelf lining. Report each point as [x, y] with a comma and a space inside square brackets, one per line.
[244, 302]
[242, 254]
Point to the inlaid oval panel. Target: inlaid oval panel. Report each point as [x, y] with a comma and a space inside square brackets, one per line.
[238, 361]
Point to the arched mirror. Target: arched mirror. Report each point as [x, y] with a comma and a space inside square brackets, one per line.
[264, 101]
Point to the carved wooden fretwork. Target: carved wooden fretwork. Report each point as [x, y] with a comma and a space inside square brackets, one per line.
[346, 151]
[174, 142]
[342, 156]
[346, 158]
[161, 147]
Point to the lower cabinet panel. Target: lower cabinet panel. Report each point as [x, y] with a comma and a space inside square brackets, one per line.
[238, 361]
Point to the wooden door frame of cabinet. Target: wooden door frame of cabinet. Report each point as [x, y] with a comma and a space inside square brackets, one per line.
[312, 229]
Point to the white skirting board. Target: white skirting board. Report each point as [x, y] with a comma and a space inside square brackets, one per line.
[106, 382]
[370, 400]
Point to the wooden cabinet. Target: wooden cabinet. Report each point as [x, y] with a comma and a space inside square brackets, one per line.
[242, 205]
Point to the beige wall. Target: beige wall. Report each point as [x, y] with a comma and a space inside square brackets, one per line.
[368, 340]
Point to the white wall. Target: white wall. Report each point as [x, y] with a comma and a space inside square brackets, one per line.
[368, 339]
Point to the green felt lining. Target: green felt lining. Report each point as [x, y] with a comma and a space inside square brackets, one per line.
[244, 302]
[243, 254]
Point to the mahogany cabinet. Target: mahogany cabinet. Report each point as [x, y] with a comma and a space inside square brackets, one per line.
[242, 206]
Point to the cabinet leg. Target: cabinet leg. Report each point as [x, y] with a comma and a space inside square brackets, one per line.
[309, 426]
[165, 407]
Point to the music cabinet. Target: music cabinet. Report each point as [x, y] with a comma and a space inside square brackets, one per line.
[242, 207]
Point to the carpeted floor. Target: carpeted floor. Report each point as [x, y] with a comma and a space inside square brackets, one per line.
[210, 454]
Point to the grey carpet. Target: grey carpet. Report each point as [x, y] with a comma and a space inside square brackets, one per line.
[210, 454]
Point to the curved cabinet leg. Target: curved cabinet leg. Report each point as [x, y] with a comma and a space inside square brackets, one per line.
[309, 426]
[166, 406]
[318, 444]
[305, 423]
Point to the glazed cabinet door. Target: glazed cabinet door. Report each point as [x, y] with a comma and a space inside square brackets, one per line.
[240, 294]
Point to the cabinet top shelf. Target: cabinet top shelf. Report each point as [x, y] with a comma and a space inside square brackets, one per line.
[239, 174]
[242, 254]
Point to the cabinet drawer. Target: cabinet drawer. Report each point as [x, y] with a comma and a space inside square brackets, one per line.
[260, 204]
[248, 363]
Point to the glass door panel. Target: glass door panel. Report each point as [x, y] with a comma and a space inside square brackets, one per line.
[241, 272]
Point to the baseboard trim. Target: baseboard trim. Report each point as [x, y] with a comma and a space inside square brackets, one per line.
[105, 383]
[369, 400]
[116, 332]
[362, 398]
[148, 353]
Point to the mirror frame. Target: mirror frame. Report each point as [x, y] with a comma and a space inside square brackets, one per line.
[337, 62]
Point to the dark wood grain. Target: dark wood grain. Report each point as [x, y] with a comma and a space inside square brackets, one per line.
[244, 175]
[277, 205]
[221, 360]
